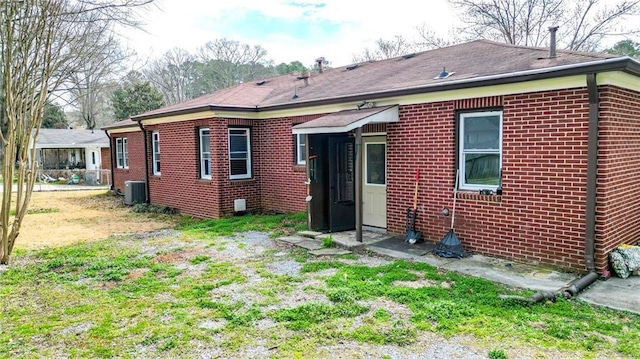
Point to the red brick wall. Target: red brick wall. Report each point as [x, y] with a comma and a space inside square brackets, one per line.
[135, 171]
[179, 185]
[539, 217]
[618, 205]
[281, 181]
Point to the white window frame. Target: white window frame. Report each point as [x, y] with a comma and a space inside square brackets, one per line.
[155, 152]
[462, 152]
[122, 153]
[248, 159]
[301, 149]
[203, 161]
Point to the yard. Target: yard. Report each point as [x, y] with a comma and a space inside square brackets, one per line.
[91, 278]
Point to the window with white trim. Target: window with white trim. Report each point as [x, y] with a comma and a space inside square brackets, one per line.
[301, 149]
[122, 153]
[155, 141]
[239, 153]
[205, 153]
[480, 146]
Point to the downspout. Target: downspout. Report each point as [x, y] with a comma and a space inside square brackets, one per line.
[358, 180]
[112, 156]
[146, 161]
[592, 174]
[574, 287]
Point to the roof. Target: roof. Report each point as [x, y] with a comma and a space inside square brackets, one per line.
[120, 124]
[63, 138]
[345, 121]
[474, 63]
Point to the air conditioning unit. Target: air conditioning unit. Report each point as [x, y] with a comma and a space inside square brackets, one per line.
[135, 192]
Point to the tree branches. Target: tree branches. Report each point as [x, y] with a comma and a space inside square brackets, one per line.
[583, 23]
[42, 43]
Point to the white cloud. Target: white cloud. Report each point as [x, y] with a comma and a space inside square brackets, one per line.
[191, 23]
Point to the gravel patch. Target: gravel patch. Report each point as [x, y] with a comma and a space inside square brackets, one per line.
[288, 267]
[212, 324]
[427, 346]
[77, 329]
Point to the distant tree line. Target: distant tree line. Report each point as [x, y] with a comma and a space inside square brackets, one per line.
[102, 90]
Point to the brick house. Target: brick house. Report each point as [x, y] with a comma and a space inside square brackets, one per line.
[559, 132]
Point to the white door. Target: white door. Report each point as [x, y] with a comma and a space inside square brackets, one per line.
[374, 186]
[92, 156]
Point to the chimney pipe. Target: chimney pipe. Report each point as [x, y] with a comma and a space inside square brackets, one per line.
[552, 42]
[320, 61]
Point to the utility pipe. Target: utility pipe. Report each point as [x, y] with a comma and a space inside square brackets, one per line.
[146, 161]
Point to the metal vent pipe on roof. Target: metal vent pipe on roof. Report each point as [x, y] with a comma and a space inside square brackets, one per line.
[320, 62]
[552, 42]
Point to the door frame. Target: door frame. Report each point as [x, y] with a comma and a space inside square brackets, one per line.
[375, 138]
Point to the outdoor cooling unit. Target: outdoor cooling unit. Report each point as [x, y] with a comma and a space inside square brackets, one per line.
[135, 192]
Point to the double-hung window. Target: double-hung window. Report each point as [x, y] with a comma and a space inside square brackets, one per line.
[122, 153]
[239, 153]
[301, 149]
[155, 140]
[480, 146]
[205, 153]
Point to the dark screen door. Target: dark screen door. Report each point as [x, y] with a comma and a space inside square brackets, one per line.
[342, 213]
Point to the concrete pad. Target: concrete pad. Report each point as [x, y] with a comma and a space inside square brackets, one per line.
[391, 253]
[510, 273]
[329, 252]
[615, 293]
[292, 239]
[348, 239]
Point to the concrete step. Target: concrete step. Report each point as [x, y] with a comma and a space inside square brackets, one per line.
[300, 241]
[309, 234]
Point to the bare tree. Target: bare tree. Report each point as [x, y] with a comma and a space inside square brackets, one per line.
[173, 74]
[428, 39]
[386, 49]
[583, 23]
[41, 42]
[227, 62]
[88, 88]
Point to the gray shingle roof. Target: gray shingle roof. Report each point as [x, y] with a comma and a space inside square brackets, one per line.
[63, 138]
[472, 62]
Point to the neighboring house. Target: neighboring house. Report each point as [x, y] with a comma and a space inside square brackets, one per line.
[546, 146]
[68, 149]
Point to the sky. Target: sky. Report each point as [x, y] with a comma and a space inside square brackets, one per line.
[290, 30]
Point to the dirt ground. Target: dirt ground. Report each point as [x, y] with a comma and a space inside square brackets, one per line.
[65, 217]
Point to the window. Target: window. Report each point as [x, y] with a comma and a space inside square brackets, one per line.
[205, 153]
[480, 143]
[93, 158]
[122, 153]
[376, 163]
[301, 150]
[239, 153]
[155, 141]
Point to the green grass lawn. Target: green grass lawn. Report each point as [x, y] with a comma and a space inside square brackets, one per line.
[171, 296]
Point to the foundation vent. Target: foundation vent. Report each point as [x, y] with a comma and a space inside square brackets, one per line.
[239, 205]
